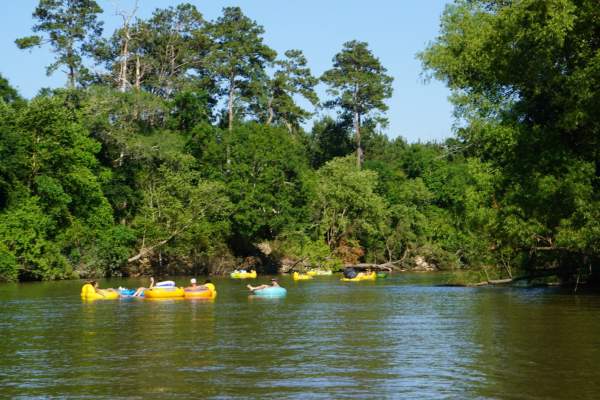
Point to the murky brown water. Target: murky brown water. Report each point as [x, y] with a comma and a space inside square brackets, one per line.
[402, 337]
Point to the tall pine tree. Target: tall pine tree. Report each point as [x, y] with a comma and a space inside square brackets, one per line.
[359, 85]
[71, 26]
[238, 55]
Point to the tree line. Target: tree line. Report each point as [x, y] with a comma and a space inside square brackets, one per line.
[179, 146]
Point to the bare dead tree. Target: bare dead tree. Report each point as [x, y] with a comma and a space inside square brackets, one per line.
[126, 38]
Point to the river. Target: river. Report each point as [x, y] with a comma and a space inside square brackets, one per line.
[400, 337]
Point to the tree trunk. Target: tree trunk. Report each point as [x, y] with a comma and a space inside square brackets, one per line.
[170, 76]
[270, 111]
[230, 119]
[138, 77]
[123, 82]
[34, 164]
[124, 60]
[71, 67]
[230, 102]
[71, 77]
[359, 152]
[172, 61]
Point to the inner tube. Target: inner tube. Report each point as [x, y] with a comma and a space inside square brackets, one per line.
[301, 277]
[276, 291]
[368, 277]
[88, 292]
[126, 292]
[243, 274]
[361, 277]
[199, 293]
[163, 293]
[165, 284]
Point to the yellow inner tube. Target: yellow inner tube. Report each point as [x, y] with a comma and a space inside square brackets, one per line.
[163, 293]
[361, 277]
[301, 277]
[243, 275]
[88, 292]
[369, 277]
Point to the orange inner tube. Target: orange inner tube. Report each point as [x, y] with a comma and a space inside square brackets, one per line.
[199, 294]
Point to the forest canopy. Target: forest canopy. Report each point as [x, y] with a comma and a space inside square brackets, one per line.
[180, 145]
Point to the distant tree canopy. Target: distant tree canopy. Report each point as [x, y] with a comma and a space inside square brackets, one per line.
[70, 27]
[186, 149]
[238, 57]
[8, 94]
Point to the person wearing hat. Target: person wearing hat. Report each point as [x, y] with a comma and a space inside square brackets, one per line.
[273, 284]
[193, 285]
[208, 285]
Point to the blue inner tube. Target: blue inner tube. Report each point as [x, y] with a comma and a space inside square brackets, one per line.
[271, 292]
[126, 292]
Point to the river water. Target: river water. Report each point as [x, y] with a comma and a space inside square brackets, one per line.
[401, 337]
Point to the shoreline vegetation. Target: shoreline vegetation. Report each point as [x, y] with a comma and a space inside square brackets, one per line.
[179, 146]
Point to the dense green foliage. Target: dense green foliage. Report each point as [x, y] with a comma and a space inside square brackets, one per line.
[187, 150]
[526, 78]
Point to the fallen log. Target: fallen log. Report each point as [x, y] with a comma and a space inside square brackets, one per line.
[148, 250]
[290, 268]
[389, 267]
[500, 281]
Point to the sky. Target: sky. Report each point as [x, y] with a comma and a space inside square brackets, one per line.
[396, 31]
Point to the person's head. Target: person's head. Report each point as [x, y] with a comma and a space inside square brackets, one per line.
[274, 282]
[94, 283]
[193, 281]
[208, 281]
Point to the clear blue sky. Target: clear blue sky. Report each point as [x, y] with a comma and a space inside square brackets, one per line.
[395, 30]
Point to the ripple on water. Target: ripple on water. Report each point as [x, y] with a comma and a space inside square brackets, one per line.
[398, 338]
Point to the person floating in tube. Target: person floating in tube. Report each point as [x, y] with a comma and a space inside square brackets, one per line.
[140, 290]
[350, 273]
[97, 289]
[273, 284]
[208, 285]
